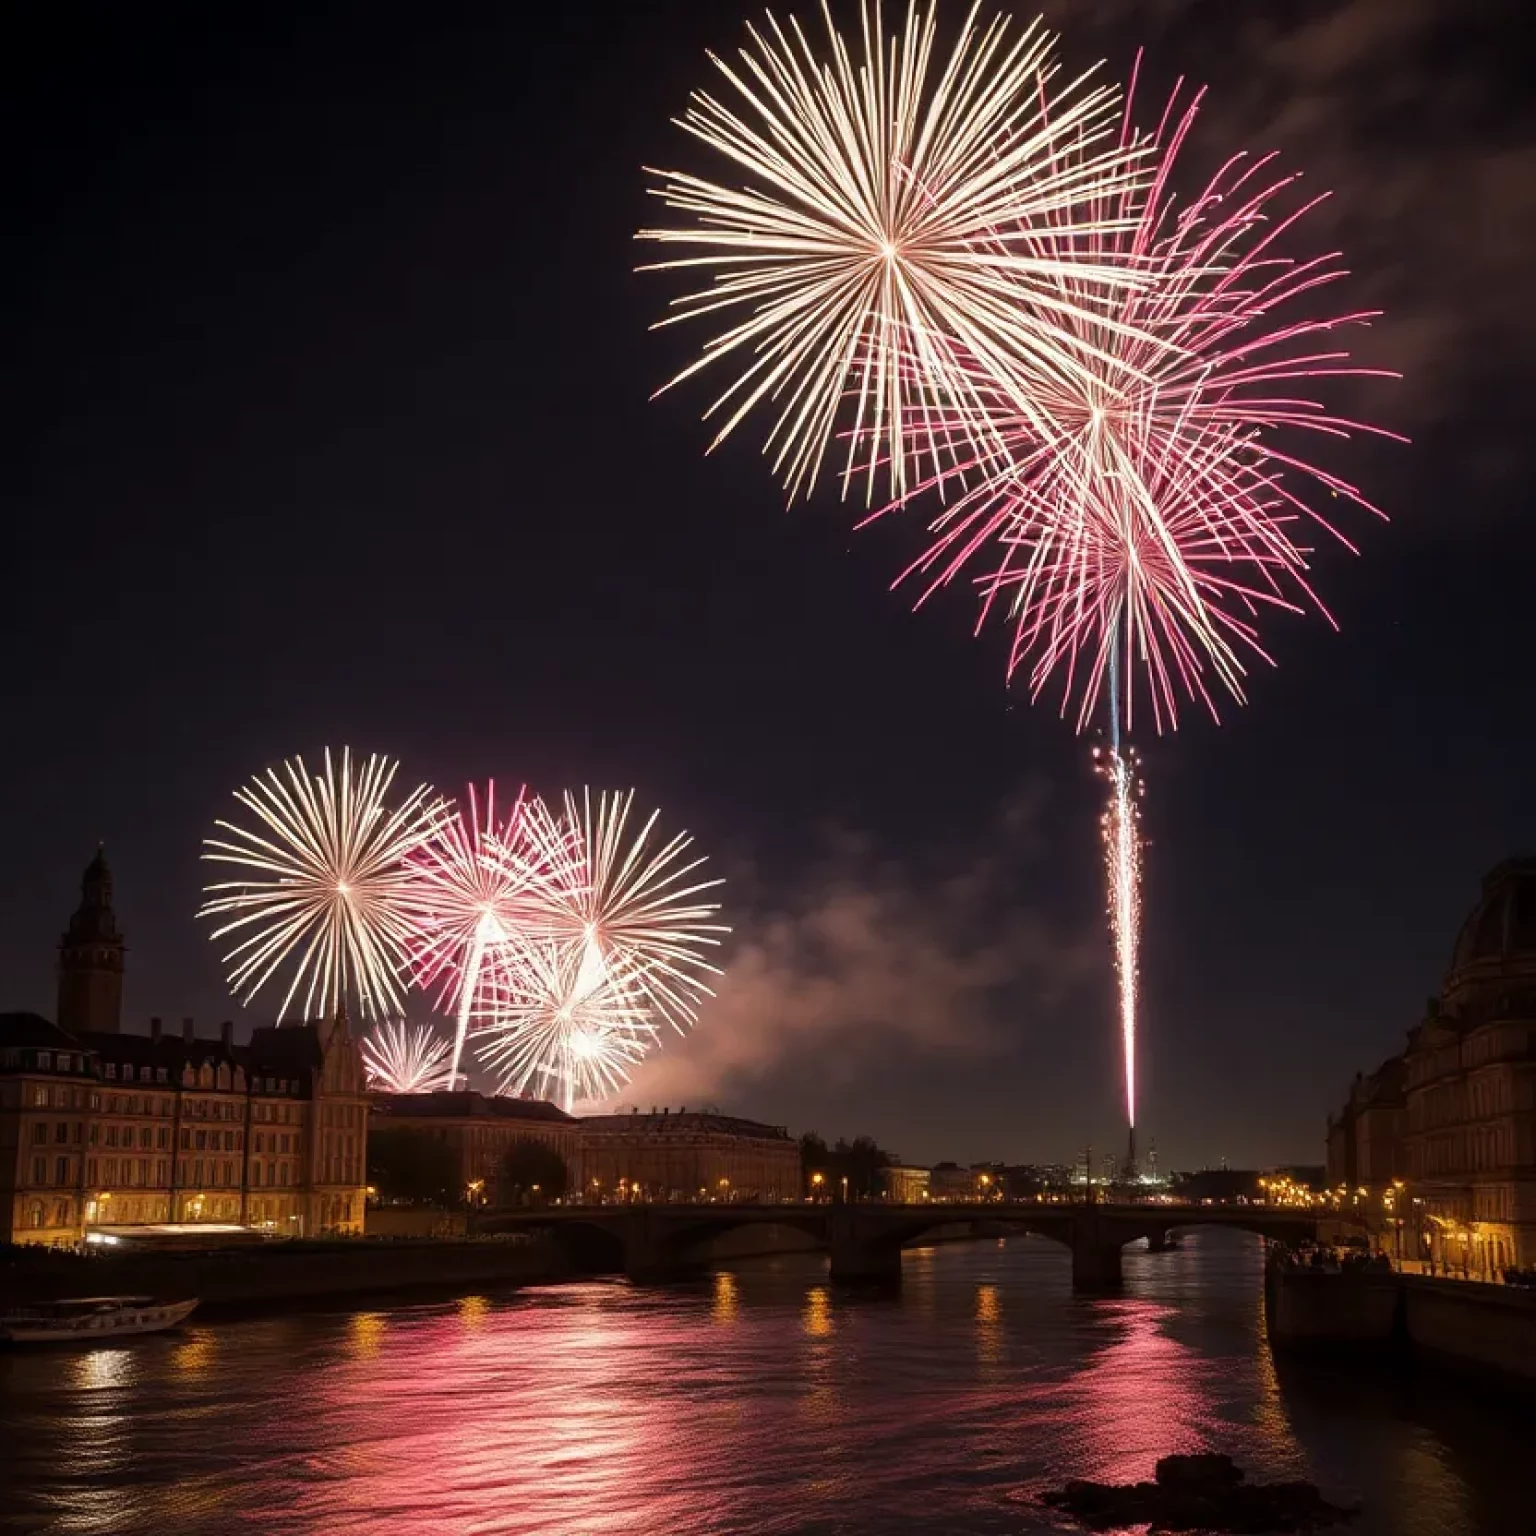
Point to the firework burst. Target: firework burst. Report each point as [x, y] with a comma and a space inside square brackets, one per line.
[565, 1024]
[476, 889]
[1141, 502]
[323, 884]
[404, 1058]
[628, 901]
[888, 232]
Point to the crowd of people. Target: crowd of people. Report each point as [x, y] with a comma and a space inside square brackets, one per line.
[1334, 1260]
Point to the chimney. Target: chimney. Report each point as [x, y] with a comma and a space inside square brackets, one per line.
[156, 1027]
[186, 1031]
[227, 1034]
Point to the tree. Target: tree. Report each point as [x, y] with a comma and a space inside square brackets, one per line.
[530, 1172]
[859, 1161]
[413, 1166]
[814, 1157]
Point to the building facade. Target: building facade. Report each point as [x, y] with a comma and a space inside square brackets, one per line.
[1443, 1138]
[1366, 1138]
[687, 1155]
[904, 1186]
[480, 1130]
[100, 1128]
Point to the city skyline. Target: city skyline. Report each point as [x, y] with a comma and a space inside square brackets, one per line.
[267, 458]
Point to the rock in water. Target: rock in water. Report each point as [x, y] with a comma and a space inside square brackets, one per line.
[1199, 1493]
[1204, 1471]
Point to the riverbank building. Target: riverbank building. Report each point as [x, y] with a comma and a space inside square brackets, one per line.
[1438, 1145]
[102, 1130]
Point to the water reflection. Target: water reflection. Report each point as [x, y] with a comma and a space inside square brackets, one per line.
[725, 1303]
[817, 1313]
[367, 1331]
[989, 1325]
[196, 1353]
[113, 1365]
[762, 1404]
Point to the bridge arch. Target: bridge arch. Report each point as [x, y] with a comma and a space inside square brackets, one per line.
[593, 1247]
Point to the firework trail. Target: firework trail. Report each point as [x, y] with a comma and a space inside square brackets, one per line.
[476, 891]
[403, 1058]
[565, 1024]
[892, 224]
[1121, 828]
[323, 883]
[1144, 509]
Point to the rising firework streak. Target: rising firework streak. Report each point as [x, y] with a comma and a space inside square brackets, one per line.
[1122, 865]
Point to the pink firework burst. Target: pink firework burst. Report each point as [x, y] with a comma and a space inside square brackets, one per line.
[477, 888]
[1142, 509]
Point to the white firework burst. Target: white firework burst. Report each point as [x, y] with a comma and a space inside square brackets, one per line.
[323, 884]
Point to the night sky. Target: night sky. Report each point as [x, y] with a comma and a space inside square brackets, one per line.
[327, 381]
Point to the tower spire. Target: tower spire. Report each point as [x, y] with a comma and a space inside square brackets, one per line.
[91, 955]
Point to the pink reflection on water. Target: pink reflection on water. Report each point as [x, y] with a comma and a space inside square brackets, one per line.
[1138, 1396]
[556, 1419]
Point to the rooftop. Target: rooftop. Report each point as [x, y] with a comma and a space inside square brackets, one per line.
[683, 1120]
[465, 1105]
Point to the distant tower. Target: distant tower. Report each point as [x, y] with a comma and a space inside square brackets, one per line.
[91, 958]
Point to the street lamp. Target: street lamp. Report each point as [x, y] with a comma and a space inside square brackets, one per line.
[845, 1189]
[984, 1182]
[817, 1180]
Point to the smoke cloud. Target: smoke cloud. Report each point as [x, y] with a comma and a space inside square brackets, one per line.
[879, 959]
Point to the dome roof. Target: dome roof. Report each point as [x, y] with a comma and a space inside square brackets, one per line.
[1498, 940]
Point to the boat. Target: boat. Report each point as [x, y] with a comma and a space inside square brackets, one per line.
[91, 1319]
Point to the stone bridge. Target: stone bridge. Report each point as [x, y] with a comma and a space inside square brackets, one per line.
[662, 1242]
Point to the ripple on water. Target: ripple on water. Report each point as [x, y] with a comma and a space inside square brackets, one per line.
[762, 1401]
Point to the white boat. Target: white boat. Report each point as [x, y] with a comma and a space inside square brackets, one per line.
[90, 1319]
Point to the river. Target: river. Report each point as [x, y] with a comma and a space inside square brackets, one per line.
[758, 1401]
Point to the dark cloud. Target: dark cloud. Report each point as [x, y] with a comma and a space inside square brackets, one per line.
[882, 960]
[1408, 112]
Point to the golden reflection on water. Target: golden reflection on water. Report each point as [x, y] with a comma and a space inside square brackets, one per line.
[817, 1315]
[727, 1298]
[1270, 1416]
[114, 1366]
[196, 1354]
[989, 1326]
[473, 1311]
[365, 1334]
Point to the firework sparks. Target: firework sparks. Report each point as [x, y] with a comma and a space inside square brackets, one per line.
[1141, 501]
[631, 905]
[475, 892]
[1122, 864]
[323, 884]
[565, 1025]
[405, 1058]
[892, 214]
